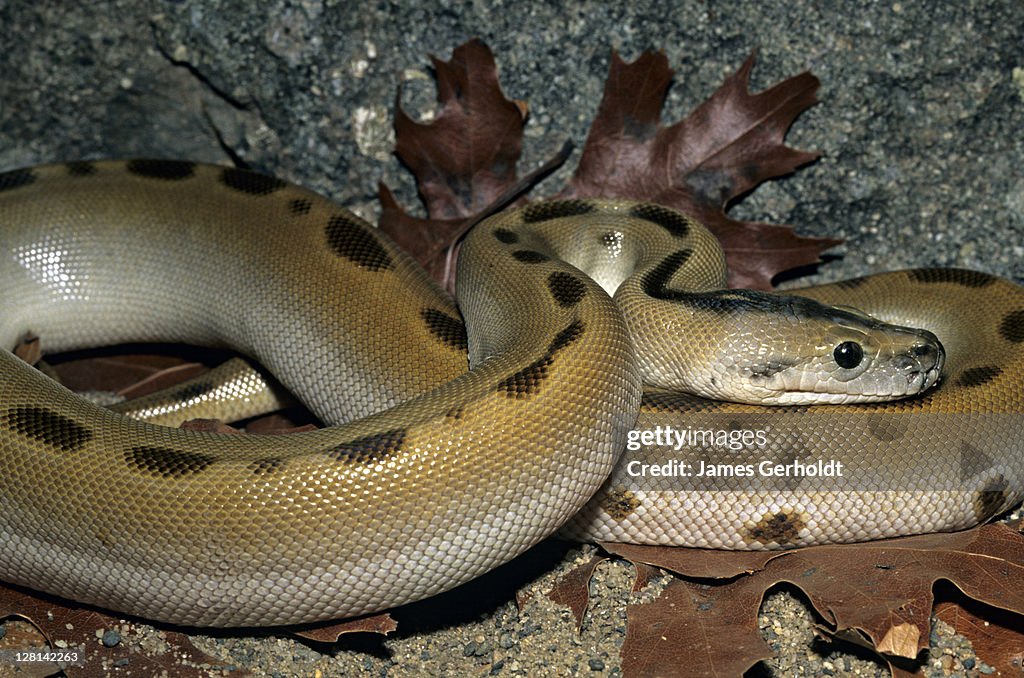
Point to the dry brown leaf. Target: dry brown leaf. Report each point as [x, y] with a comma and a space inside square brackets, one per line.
[573, 590]
[734, 141]
[698, 563]
[706, 618]
[381, 624]
[430, 242]
[463, 160]
[29, 349]
[276, 423]
[209, 426]
[161, 379]
[727, 146]
[77, 630]
[901, 640]
[694, 630]
[114, 373]
[466, 157]
[996, 635]
[644, 575]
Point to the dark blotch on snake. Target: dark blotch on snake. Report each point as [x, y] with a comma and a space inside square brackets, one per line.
[267, 466]
[369, 449]
[973, 461]
[977, 376]
[168, 170]
[16, 179]
[527, 381]
[612, 241]
[557, 209]
[567, 289]
[571, 333]
[619, 504]
[655, 281]
[956, 276]
[351, 238]
[887, 428]
[672, 221]
[1012, 327]
[51, 429]
[736, 301]
[506, 236]
[852, 283]
[166, 462]
[991, 499]
[252, 183]
[449, 330]
[81, 169]
[530, 256]
[782, 528]
[770, 368]
[300, 206]
[754, 301]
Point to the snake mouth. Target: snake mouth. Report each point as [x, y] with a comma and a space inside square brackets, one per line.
[922, 365]
[919, 381]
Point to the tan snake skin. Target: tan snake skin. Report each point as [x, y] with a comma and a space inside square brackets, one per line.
[442, 474]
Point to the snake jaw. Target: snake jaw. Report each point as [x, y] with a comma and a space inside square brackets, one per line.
[920, 364]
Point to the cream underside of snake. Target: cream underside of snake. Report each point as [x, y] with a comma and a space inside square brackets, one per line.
[441, 474]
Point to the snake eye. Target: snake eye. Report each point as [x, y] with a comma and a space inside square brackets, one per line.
[848, 354]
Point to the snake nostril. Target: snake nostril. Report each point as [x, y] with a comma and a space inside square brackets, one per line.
[927, 355]
[923, 350]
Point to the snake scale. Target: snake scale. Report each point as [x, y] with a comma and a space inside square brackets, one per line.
[432, 474]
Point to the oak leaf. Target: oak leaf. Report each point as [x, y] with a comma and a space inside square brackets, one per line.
[995, 634]
[380, 623]
[463, 160]
[99, 642]
[132, 375]
[466, 158]
[726, 147]
[880, 592]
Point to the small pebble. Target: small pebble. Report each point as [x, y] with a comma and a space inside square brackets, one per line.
[527, 629]
[478, 647]
[111, 638]
[596, 664]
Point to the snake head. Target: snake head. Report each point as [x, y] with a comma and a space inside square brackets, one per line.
[848, 357]
[773, 349]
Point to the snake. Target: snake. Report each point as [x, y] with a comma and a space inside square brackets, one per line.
[459, 436]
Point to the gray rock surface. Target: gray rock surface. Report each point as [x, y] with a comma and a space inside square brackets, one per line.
[919, 126]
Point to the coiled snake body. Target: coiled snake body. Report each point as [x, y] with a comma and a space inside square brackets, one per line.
[441, 474]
